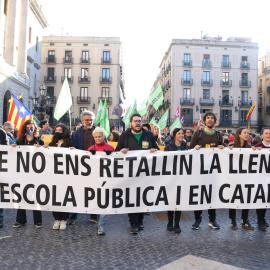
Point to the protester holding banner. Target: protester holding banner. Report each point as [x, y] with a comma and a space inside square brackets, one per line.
[60, 138]
[136, 138]
[156, 131]
[265, 134]
[29, 136]
[177, 144]
[100, 145]
[206, 138]
[82, 139]
[240, 141]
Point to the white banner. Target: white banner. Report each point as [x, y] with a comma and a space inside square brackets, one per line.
[60, 179]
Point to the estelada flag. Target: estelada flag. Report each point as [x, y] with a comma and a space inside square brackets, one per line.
[18, 113]
[177, 113]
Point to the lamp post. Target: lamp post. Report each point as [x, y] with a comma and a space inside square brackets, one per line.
[43, 100]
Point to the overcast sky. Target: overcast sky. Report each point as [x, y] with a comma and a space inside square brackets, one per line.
[147, 27]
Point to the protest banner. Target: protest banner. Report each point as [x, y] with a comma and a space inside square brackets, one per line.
[60, 179]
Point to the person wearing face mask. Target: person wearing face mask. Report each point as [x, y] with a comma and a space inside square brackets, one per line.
[225, 140]
[29, 136]
[82, 139]
[60, 138]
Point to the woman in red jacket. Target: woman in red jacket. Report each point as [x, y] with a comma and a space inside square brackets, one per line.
[100, 145]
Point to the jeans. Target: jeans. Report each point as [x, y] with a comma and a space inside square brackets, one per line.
[1, 214]
[102, 220]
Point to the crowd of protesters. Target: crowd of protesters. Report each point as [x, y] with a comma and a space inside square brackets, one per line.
[139, 136]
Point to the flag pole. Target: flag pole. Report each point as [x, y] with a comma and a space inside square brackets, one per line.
[69, 120]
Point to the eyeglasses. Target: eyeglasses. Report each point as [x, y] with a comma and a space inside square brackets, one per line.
[137, 121]
[87, 120]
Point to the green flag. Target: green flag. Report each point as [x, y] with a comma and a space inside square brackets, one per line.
[64, 101]
[99, 112]
[104, 119]
[131, 110]
[143, 109]
[176, 123]
[156, 98]
[162, 123]
[153, 121]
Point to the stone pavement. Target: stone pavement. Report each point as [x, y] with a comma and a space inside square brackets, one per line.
[79, 247]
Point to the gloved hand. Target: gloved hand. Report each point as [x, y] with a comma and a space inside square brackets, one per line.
[108, 152]
[93, 152]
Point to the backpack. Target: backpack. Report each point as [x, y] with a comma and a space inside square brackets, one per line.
[219, 136]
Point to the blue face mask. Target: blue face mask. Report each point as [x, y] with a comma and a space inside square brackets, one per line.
[30, 131]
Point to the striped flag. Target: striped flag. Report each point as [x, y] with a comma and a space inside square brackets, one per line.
[18, 113]
[183, 119]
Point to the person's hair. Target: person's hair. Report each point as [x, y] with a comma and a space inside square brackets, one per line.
[23, 130]
[262, 131]
[42, 123]
[112, 127]
[257, 139]
[237, 142]
[90, 113]
[176, 130]
[116, 136]
[66, 135]
[148, 126]
[158, 136]
[135, 115]
[7, 125]
[15, 132]
[99, 130]
[209, 114]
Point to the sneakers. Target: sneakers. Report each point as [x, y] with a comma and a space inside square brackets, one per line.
[63, 225]
[38, 225]
[140, 226]
[265, 223]
[234, 225]
[214, 225]
[262, 226]
[56, 225]
[196, 225]
[134, 229]
[247, 225]
[101, 230]
[71, 221]
[177, 229]
[18, 225]
[1, 224]
[170, 227]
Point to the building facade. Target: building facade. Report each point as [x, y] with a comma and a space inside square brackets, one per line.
[21, 26]
[264, 90]
[93, 67]
[209, 75]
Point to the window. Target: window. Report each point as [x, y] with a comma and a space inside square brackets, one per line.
[68, 56]
[50, 74]
[50, 91]
[105, 92]
[186, 76]
[84, 92]
[205, 110]
[5, 7]
[244, 79]
[206, 76]
[51, 56]
[84, 72]
[225, 97]
[244, 63]
[186, 93]
[85, 56]
[106, 56]
[206, 93]
[105, 73]
[82, 109]
[186, 59]
[244, 97]
[225, 78]
[188, 115]
[226, 116]
[67, 73]
[225, 60]
[206, 60]
[30, 34]
[36, 44]
[243, 114]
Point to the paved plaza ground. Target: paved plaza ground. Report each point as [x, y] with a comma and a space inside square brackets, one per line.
[79, 247]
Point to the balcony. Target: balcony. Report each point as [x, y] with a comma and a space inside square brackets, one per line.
[225, 65]
[244, 83]
[68, 60]
[207, 102]
[70, 79]
[167, 85]
[187, 63]
[50, 79]
[51, 60]
[267, 109]
[225, 102]
[186, 81]
[245, 103]
[226, 83]
[83, 100]
[268, 89]
[266, 70]
[105, 80]
[207, 83]
[109, 100]
[85, 60]
[244, 65]
[236, 123]
[85, 79]
[53, 99]
[187, 101]
[106, 60]
[225, 122]
[206, 64]
[260, 88]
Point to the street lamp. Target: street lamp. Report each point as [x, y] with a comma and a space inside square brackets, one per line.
[43, 100]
